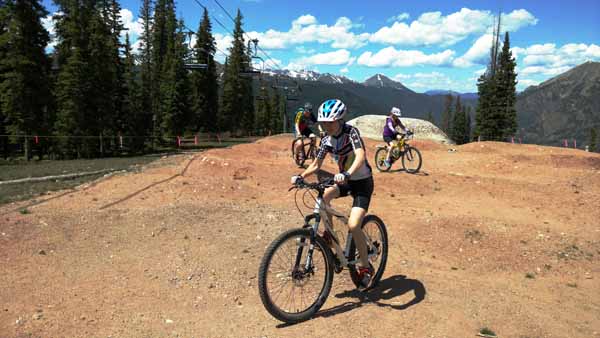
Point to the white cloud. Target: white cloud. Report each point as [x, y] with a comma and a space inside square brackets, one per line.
[479, 72]
[478, 53]
[399, 17]
[304, 50]
[338, 57]
[433, 80]
[400, 77]
[131, 24]
[540, 70]
[271, 63]
[49, 24]
[304, 20]
[432, 28]
[548, 59]
[390, 57]
[344, 70]
[223, 41]
[528, 82]
[517, 19]
[305, 29]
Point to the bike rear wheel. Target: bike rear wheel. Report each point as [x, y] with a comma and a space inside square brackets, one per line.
[299, 157]
[411, 160]
[376, 233]
[289, 291]
[380, 157]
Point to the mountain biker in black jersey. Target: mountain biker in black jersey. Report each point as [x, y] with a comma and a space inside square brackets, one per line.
[354, 178]
[303, 122]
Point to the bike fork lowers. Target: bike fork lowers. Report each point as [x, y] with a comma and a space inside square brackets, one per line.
[311, 247]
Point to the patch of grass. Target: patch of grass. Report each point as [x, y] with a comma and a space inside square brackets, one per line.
[487, 332]
[25, 211]
[20, 191]
[13, 171]
[530, 275]
[473, 234]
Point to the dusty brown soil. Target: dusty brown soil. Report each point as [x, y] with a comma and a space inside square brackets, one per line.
[173, 251]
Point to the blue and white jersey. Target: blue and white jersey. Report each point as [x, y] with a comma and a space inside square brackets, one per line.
[342, 147]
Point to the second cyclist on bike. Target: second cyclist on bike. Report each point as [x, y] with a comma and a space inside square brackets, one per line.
[390, 132]
[303, 122]
[354, 177]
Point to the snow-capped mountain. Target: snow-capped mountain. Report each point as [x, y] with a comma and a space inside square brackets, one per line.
[382, 81]
[309, 75]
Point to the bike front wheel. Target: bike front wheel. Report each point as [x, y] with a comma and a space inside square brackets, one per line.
[380, 157]
[291, 288]
[377, 241]
[411, 160]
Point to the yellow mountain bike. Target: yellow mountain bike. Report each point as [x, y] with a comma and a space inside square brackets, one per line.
[411, 156]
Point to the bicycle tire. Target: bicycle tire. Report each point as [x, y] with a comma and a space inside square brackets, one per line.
[380, 156]
[383, 253]
[415, 154]
[297, 159]
[320, 247]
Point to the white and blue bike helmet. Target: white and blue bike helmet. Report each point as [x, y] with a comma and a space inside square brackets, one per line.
[331, 110]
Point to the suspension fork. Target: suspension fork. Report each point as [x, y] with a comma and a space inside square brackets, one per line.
[313, 234]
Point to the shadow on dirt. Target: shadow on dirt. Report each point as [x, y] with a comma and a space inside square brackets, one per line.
[419, 173]
[181, 174]
[383, 296]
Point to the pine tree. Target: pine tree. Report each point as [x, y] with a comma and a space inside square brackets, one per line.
[468, 122]
[276, 118]
[145, 66]
[247, 94]
[446, 123]
[458, 124]
[24, 91]
[593, 140]
[71, 97]
[204, 82]
[234, 106]
[260, 113]
[496, 117]
[265, 119]
[133, 115]
[3, 50]
[105, 96]
[507, 82]
[430, 117]
[159, 47]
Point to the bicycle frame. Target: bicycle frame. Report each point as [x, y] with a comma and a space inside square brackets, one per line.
[320, 212]
[398, 144]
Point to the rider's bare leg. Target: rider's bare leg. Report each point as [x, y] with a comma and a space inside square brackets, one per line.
[354, 222]
[298, 146]
[389, 153]
[329, 194]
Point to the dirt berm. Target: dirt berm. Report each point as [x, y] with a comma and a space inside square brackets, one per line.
[492, 235]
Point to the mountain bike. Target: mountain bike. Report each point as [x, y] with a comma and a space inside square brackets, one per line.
[296, 272]
[411, 156]
[308, 150]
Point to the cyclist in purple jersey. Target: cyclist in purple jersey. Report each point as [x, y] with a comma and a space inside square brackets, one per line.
[390, 133]
[354, 178]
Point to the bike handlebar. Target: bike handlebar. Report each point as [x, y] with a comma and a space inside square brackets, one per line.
[319, 186]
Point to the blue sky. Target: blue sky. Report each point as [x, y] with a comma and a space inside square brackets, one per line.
[423, 44]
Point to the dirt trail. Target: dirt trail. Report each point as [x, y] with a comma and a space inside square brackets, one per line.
[173, 251]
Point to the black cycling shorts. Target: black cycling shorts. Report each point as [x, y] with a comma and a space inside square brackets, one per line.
[360, 190]
[306, 132]
[389, 139]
